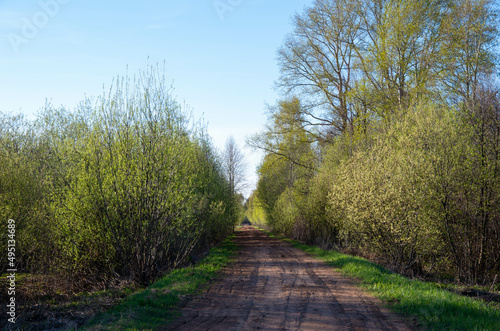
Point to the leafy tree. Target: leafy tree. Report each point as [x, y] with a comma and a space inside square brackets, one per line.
[317, 61]
[24, 193]
[285, 135]
[123, 186]
[471, 202]
[400, 52]
[254, 210]
[355, 61]
[288, 166]
[470, 36]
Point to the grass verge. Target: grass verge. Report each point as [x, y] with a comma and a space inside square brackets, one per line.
[431, 307]
[159, 304]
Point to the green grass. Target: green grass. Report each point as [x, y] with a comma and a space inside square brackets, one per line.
[433, 308]
[159, 303]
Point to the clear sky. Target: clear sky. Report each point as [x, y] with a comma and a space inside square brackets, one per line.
[219, 54]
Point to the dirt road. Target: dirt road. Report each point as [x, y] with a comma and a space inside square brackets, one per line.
[273, 286]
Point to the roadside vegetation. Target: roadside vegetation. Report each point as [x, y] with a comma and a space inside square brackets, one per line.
[160, 302]
[121, 190]
[424, 305]
[386, 141]
[427, 305]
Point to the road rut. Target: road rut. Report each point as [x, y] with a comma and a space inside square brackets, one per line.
[273, 286]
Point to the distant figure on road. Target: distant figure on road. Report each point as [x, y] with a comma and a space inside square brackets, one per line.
[246, 222]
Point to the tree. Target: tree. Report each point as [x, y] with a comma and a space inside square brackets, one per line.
[123, 186]
[472, 202]
[234, 166]
[286, 135]
[386, 140]
[317, 62]
[288, 165]
[351, 61]
[25, 194]
[400, 52]
[470, 36]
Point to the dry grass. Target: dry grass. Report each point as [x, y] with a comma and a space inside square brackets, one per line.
[50, 302]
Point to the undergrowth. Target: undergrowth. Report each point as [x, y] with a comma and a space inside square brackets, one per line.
[159, 303]
[432, 307]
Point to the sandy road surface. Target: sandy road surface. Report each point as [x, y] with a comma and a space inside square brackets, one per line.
[273, 286]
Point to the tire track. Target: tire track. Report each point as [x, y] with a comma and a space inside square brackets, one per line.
[273, 286]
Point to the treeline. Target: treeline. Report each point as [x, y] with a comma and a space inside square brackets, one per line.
[387, 140]
[126, 186]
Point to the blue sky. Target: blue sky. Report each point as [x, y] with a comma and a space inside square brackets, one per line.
[220, 54]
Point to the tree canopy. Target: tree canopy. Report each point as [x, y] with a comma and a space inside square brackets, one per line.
[386, 139]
